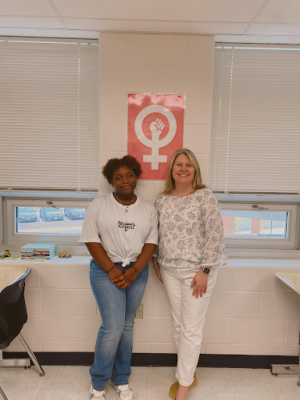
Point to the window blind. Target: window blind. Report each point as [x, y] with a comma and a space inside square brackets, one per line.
[255, 145]
[49, 115]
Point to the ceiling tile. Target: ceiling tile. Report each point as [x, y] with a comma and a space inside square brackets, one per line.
[204, 28]
[274, 29]
[30, 22]
[281, 12]
[162, 10]
[26, 7]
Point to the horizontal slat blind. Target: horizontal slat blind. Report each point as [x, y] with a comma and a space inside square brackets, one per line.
[255, 144]
[49, 116]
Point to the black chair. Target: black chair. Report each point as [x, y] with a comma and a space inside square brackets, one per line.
[13, 315]
[2, 394]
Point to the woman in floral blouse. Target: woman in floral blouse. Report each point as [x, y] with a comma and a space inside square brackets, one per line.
[191, 247]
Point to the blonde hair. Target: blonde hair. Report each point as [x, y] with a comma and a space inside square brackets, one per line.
[197, 181]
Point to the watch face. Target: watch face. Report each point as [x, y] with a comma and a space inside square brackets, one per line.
[206, 270]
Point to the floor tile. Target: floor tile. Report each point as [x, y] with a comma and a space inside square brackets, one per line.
[149, 383]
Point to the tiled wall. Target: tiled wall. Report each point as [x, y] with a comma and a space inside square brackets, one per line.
[251, 311]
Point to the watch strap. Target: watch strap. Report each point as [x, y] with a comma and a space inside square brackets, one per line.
[205, 270]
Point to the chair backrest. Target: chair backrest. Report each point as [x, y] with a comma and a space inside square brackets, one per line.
[13, 313]
[12, 292]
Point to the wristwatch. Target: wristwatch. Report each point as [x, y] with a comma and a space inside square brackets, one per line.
[205, 270]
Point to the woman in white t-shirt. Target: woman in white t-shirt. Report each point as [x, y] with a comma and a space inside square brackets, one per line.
[120, 232]
[191, 247]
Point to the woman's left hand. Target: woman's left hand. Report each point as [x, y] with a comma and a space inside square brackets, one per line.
[199, 283]
[126, 279]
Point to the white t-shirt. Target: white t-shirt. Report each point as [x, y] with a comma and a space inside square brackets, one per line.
[122, 234]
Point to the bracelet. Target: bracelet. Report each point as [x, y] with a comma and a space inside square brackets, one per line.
[111, 269]
[155, 266]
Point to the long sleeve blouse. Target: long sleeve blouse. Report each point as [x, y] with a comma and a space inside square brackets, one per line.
[191, 232]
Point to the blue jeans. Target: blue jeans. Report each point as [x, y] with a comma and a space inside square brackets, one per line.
[115, 337]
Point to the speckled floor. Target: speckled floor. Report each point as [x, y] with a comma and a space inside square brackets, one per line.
[149, 383]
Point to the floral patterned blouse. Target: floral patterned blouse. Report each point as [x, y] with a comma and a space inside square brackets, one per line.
[191, 230]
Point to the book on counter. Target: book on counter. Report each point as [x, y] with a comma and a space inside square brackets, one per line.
[37, 251]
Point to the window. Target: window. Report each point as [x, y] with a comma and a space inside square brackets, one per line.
[49, 137]
[41, 220]
[265, 226]
[255, 142]
[255, 145]
[49, 115]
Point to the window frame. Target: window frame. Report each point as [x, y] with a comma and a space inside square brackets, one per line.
[11, 238]
[289, 243]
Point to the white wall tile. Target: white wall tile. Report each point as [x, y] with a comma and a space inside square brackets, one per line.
[113, 137]
[116, 78]
[170, 50]
[147, 304]
[69, 302]
[161, 306]
[85, 329]
[33, 279]
[198, 110]
[279, 305]
[171, 79]
[69, 346]
[292, 331]
[55, 276]
[247, 280]
[270, 282]
[200, 49]
[231, 349]
[217, 331]
[113, 107]
[127, 49]
[145, 190]
[168, 348]
[16, 345]
[153, 282]
[141, 348]
[224, 280]
[143, 49]
[153, 330]
[279, 350]
[198, 80]
[233, 305]
[197, 138]
[258, 331]
[79, 276]
[47, 328]
[33, 299]
[105, 187]
[66, 276]
[203, 160]
[158, 187]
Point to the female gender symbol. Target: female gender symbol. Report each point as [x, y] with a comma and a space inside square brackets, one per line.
[155, 144]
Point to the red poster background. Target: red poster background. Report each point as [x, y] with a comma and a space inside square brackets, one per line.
[138, 102]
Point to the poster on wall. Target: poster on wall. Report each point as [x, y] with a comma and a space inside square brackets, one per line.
[155, 131]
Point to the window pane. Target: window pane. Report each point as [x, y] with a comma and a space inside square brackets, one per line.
[262, 224]
[49, 220]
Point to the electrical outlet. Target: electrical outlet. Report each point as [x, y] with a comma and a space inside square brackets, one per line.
[139, 313]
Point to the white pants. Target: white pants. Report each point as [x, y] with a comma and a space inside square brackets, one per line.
[188, 317]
